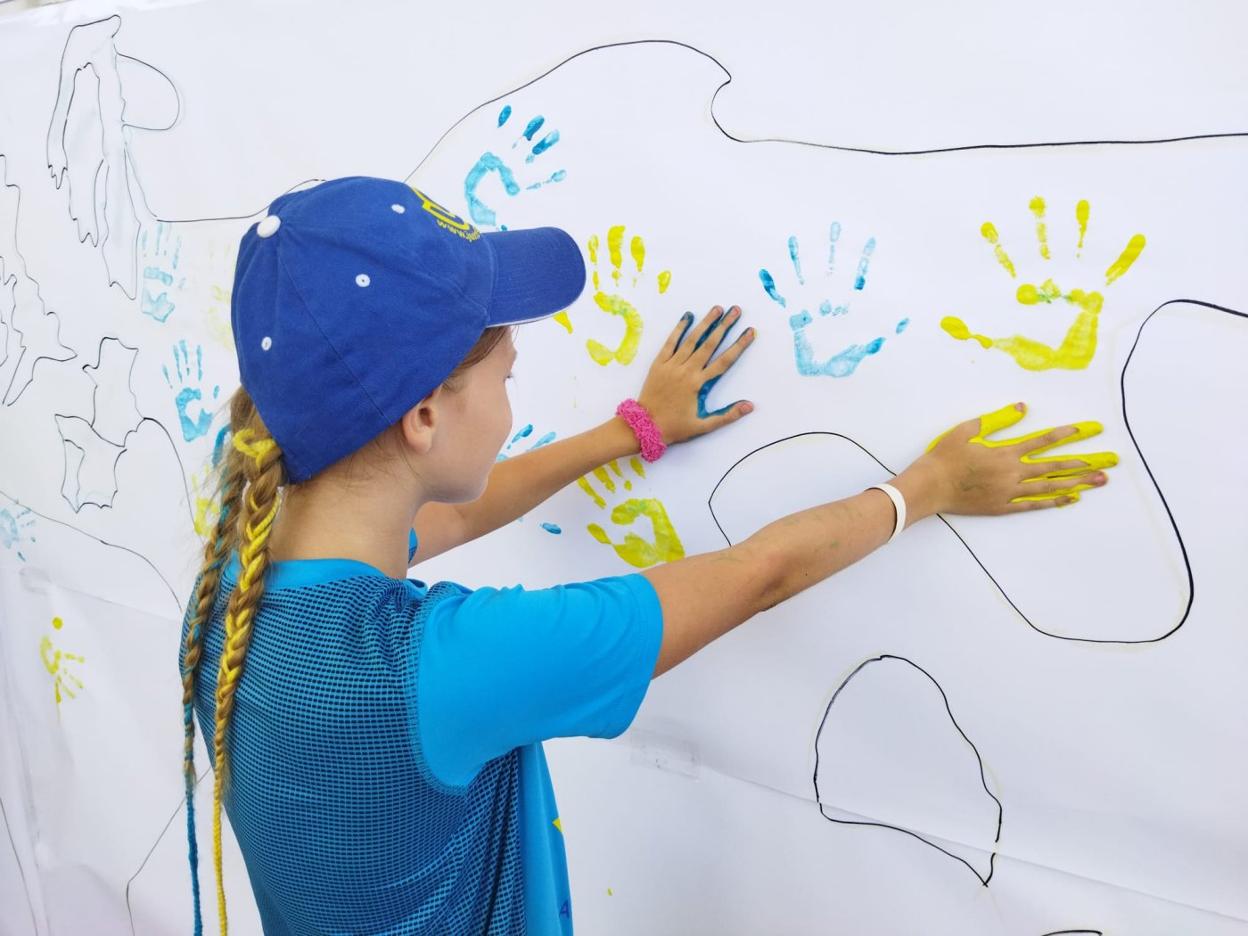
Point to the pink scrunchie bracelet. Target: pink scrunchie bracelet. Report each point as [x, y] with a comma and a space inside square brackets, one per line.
[647, 433]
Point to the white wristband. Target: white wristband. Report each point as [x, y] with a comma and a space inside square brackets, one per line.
[899, 505]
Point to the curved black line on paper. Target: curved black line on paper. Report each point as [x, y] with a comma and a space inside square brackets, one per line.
[30, 905]
[728, 79]
[884, 825]
[1076, 932]
[103, 542]
[10, 274]
[1126, 418]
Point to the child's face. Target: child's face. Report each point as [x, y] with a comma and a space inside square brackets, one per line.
[476, 418]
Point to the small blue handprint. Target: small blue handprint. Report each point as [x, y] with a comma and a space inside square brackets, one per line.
[160, 269]
[482, 214]
[192, 428]
[845, 361]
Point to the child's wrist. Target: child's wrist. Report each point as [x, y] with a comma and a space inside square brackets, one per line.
[640, 421]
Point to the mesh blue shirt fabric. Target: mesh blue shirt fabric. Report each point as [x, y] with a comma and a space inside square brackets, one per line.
[386, 772]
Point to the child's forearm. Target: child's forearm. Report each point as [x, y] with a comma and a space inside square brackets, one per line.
[518, 484]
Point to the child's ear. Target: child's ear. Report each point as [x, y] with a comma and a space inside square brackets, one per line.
[420, 423]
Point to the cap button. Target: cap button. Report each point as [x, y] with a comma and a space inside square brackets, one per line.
[268, 226]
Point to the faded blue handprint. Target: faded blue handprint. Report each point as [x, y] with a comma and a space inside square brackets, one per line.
[483, 215]
[15, 529]
[189, 381]
[160, 272]
[845, 361]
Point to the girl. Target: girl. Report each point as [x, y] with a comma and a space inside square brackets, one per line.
[380, 755]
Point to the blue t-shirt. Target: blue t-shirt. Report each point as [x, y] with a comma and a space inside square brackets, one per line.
[386, 768]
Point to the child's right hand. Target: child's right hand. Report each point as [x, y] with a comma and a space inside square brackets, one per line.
[963, 472]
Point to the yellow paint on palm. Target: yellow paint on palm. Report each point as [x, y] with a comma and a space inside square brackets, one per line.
[1008, 416]
[627, 348]
[989, 232]
[636, 551]
[1082, 211]
[1042, 234]
[1126, 259]
[615, 252]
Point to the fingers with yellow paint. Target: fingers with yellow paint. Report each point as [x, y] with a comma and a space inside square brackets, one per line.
[1130, 253]
[635, 550]
[613, 303]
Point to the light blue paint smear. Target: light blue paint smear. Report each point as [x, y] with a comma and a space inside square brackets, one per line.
[157, 307]
[797, 263]
[481, 213]
[555, 177]
[504, 114]
[552, 528]
[526, 431]
[156, 273]
[868, 249]
[534, 125]
[825, 307]
[769, 285]
[192, 429]
[841, 364]
[543, 145]
[218, 447]
[834, 234]
[901, 326]
[544, 440]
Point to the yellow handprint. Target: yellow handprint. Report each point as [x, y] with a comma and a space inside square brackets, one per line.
[613, 303]
[1010, 415]
[1079, 345]
[53, 662]
[635, 550]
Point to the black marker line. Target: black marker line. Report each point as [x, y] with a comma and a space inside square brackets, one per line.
[1076, 932]
[884, 825]
[1187, 565]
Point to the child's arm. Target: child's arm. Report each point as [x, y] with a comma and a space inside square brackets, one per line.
[517, 485]
[705, 596]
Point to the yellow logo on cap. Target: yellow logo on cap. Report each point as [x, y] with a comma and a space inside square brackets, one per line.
[445, 218]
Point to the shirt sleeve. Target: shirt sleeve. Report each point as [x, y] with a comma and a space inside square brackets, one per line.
[500, 668]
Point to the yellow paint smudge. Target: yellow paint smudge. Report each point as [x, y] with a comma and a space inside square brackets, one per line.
[1042, 235]
[637, 466]
[1082, 211]
[627, 348]
[989, 233]
[665, 280]
[583, 483]
[636, 551]
[1129, 255]
[637, 247]
[615, 244]
[604, 479]
[557, 823]
[562, 317]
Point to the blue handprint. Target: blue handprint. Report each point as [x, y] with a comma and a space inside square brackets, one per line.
[482, 214]
[846, 361]
[160, 268]
[192, 429]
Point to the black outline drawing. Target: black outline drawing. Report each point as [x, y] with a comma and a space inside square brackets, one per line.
[1076, 932]
[43, 329]
[884, 825]
[115, 192]
[1122, 383]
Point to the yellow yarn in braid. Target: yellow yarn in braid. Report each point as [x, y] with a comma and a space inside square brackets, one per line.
[253, 558]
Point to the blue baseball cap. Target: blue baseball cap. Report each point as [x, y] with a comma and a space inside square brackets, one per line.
[355, 298]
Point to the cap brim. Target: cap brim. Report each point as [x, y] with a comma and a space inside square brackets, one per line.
[538, 272]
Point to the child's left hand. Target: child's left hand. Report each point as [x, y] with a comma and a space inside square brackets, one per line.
[683, 374]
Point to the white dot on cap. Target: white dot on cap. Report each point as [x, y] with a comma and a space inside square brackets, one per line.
[268, 226]
[397, 209]
[362, 280]
[267, 343]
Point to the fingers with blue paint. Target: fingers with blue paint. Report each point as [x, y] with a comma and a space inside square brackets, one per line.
[686, 369]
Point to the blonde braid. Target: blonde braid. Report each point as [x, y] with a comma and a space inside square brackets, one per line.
[224, 539]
